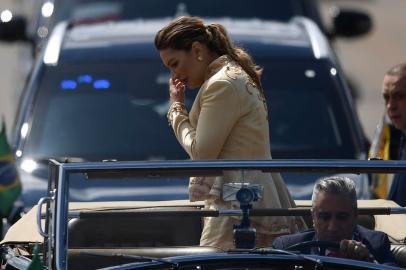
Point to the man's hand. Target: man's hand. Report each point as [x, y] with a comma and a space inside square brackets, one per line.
[352, 249]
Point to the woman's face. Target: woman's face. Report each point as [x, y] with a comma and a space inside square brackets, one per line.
[185, 66]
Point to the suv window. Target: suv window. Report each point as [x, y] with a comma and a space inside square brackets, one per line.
[308, 115]
[97, 112]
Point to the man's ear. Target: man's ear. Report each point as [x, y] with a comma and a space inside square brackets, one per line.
[312, 213]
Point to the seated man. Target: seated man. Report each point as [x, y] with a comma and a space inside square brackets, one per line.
[334, 214]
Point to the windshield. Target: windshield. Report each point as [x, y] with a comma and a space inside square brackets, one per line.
[308, 116]
[103, 113]
[89, 10]
[96, 112]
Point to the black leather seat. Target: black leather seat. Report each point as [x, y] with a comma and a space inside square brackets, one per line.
[367, 221]
[134, 231]
[93, 240]
[399, 251]
[86, 259]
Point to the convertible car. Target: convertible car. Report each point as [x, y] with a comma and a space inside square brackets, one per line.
[149, 232]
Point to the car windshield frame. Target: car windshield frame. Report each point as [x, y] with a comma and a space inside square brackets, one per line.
[60, 174]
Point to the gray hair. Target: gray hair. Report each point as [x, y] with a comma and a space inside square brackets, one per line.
[339, 185]
[398, 70]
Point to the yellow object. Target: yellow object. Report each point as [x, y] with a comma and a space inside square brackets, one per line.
[380, 150]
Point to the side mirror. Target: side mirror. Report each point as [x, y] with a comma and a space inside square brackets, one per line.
[13, 30]
[350, 23]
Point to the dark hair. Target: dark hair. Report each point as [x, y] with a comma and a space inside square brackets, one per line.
[339, 185]
[398, 70]
[183, 31]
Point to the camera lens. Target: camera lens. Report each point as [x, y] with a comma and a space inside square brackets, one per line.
[245, 195]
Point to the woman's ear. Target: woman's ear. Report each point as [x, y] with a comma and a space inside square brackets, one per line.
[197, 50]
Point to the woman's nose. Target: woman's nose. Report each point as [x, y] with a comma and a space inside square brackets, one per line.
[174, 75]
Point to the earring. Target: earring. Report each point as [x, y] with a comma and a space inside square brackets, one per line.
[200, 58]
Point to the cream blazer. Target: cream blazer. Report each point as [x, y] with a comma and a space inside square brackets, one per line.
[229, 120]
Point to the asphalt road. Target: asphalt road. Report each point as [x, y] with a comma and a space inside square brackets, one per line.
[364, 59]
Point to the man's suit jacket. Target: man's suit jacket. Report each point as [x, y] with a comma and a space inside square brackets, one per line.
[398, 187]
[377, 242]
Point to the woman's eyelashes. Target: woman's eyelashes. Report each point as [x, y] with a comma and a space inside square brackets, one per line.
[174, 64]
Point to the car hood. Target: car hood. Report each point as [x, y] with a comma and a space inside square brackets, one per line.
[34, 187]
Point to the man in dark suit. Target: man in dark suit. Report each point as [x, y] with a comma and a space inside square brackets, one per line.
[334, 214]
[394, 95]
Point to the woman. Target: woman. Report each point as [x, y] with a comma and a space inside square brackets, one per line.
[228, 120]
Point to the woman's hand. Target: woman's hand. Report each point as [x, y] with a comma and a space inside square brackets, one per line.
[176, 90]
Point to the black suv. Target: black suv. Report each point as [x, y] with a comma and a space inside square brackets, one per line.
[100, 92]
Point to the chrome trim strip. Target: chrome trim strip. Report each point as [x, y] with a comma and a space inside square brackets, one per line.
[318, 41]
[230, 212]
[61, 219]
[398, 210]
[39, 215]
[179, 167]
[53, 48]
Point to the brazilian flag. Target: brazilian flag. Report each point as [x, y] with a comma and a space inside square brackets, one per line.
[10, 185]
[36, 263]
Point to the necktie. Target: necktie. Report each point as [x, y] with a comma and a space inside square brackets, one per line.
[330, 253]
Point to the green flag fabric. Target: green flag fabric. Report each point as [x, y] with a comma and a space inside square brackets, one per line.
[10, 185]
[36, 263]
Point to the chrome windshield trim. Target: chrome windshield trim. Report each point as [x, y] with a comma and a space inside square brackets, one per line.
[53, 48]
[317, 39]
[61, 215]
[217, 166]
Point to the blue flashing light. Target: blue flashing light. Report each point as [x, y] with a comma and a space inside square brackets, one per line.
[101, 84]
[85, 79]
[68, 85]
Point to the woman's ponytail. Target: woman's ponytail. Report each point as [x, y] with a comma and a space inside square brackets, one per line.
[219, 42]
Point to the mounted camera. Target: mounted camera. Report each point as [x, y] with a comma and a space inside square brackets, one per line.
[245, 194]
